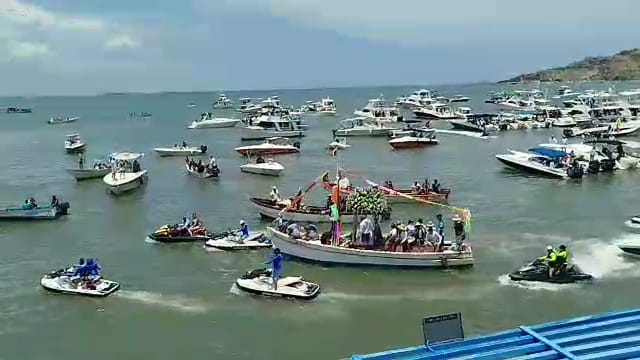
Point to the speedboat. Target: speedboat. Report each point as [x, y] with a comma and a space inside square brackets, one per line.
[419, 98]
[272, 146]
[259, 282]
[377, 109]
[327, 107]
[270, 125]
[436, 111]
[63, 281]
[30, 212]
[73, 143]
[59, 120]
[338, 143]
[269, 167]
[542, 161]
[539, 271]
[208, 121]
[459, 98]
[129, 175]
[223, 102]
[174, 234]
[630, 248]
[15, 110]
[99, 170]
[417, 139]
[181, 150]
[362, 127]
[232, 241]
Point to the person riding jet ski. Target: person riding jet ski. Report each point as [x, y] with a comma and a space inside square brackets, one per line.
[552, 267]
[550, 259]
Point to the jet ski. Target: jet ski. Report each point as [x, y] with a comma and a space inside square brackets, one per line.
[259, 282]
[232, 241]
[63, 281]
[174, 234]
[630, 249]
[539, 271]
[635, 219]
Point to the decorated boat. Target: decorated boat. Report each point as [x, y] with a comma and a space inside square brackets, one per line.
[31, 211]
[335, 254]
[304, 213]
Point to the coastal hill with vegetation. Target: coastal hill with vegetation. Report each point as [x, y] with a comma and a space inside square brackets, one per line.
[624, 65]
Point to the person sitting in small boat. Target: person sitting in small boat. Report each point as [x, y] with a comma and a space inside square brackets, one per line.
[433, 238]
[416, 188]
[294, 231]
[54, 201]
[80, 161]
[392, 238]
[274, 195]
[136, 166]
[435, 187]
[425, 186]
[260, 160]
[184, 144]
[276, 267]
[311, 233]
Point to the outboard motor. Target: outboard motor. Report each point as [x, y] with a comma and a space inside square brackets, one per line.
[296, 144]
[575, 172]
[203, 148]
[503, 127]
[607, 165]
[400, 118]
[594, 167]
[63, 208]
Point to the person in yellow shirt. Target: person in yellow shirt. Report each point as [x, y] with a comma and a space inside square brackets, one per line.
[551, 259]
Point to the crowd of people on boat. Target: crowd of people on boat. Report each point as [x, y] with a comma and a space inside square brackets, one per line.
[202, 168]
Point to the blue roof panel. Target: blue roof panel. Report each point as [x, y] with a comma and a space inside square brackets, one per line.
[605, 336]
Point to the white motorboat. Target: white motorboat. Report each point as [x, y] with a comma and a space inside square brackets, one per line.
[268, 126]
[86, 174]
[565, 91]
[541, 162]
[181, 150]
[324, 253]
[208, 121]
[74, 143]
[437, 111]
[363, 127]
[126, 173]
[630, 248]
[260, 282]
[59, 120]
[459, 98]
[338, 143]
[205, 174]
[419, 98]
[272, 146]
[517, 104]
[417, 139]
[269, 168]
[233, 241]
[377, 109]
[63, 282]
[565, 121]
[223, 102]
[327, 107]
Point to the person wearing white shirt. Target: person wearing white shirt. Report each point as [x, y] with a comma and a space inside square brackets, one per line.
[365, 232]
[275, 195]
[433, 238]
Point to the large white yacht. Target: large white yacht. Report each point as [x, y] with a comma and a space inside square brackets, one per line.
[223, 102]
[377, 109]
[363, 126]
[271, 123]
[437, 111]
[419, 98]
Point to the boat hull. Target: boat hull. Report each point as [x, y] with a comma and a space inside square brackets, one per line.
[231, 243]
[45, 213]
[132, 181]
[464, 125]
[249, 287]
[272, 212]
[75, 147]
[412, 144]
[256, 134]
[630, 249]
[211, 124]
[53, 286]
[178, 152]
[362, 132]
[528, 169]
[345, 256]
[266, 151]
[86, 174]
[176, 239]
[267, 171]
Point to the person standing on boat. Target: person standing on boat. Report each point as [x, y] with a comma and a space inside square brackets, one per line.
[421, 232]
[365, 232]
[435, 187]
[334, 215]
[80, 161]
[212, 162]
[244, 230]
[276, 263]
[275, 195]
[440, 225]
[458, 229]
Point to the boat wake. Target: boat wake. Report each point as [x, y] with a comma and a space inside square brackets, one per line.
[478, 292]
[476, 135]
[148, 240]
[169, 301]
[235, 290]
[606, 260]
[534, 285]
[632, 225]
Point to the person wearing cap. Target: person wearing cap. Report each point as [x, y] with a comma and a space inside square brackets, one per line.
[433, 238]
[458, 229]
[276, 263]
[551, 259]
[402, 236]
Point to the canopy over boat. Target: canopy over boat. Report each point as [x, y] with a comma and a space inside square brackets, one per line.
[126, 156]
[550, 153]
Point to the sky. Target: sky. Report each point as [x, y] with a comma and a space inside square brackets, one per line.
[83, 47]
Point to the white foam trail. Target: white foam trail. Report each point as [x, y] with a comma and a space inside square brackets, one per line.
[606, 260]
[534, 285]
[171, 301]
[441, 294]
[148, 240]
[235, 290]
[211, 249]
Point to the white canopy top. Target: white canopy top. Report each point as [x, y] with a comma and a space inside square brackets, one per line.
[127, 156]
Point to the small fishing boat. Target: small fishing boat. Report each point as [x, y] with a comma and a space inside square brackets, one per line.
[173, 234]
[208, 121]
[272, 146]
[74, 143]
[128, 176]
[63, 281]
[269, 168]
[15, 110]
[260, 282]
[99, 170]
[339, 143]
[324, 253]
[417, 139]
[59, 120]
[30, 212]
[232, 241]
[184, 150]
[396, 197]
[205, 174]
[312, 214]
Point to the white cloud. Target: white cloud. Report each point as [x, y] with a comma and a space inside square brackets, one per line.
[22, 14]
[27, 50]
[121, 42]
[423, 22]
